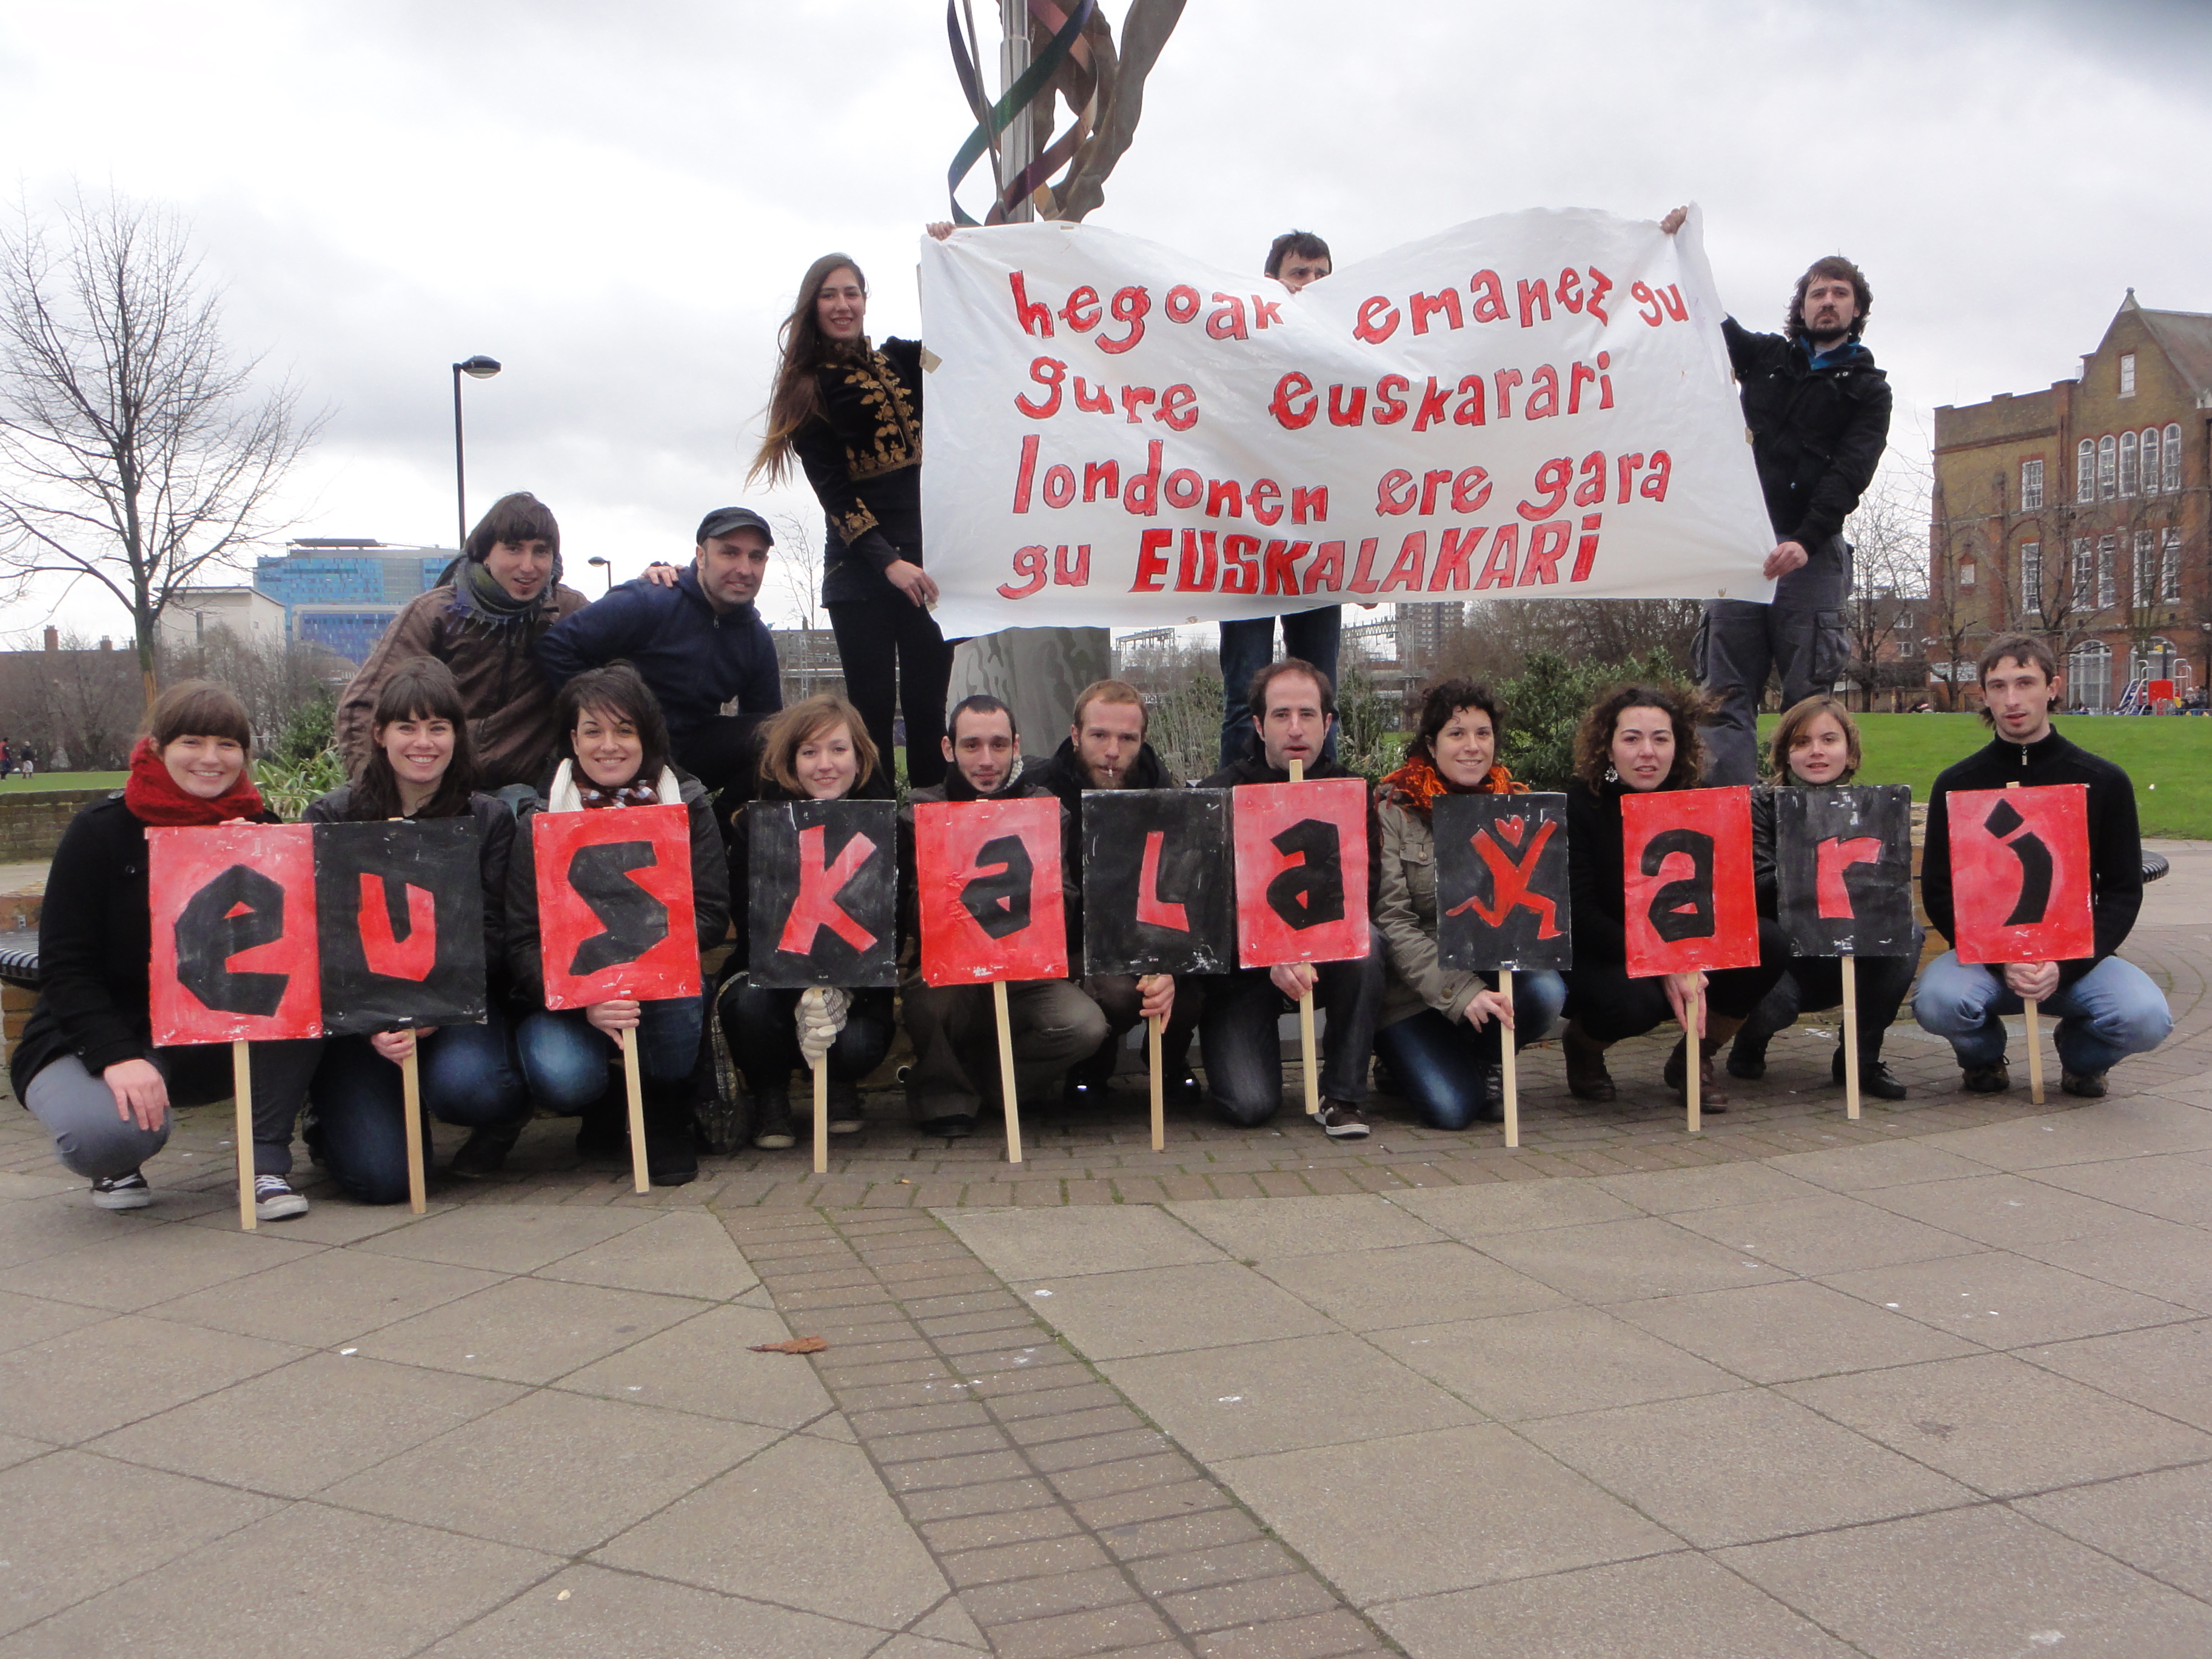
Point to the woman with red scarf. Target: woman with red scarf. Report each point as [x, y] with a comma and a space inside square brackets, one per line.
[87, 1065]
[1439, 1031]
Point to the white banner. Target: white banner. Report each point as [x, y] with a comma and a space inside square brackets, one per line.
[1536, 405]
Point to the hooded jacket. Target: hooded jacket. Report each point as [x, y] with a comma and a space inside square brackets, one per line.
[695, 657]
[1817, 435]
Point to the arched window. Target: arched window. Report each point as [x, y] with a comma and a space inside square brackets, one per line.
[2088, 675]
[2144, 571]
[2108, 465]
[2150, 460]
[2085, 470]
[2127, 474]
[2170, 460]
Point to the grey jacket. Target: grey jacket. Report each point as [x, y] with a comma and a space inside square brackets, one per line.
[1406, 916]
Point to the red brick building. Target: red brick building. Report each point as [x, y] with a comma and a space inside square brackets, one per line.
[2080, 515]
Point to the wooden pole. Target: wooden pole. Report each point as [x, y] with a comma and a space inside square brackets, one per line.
[410, 1093]
[639, 1179]
[241, 1081]
[1305, 1008]
[1007, 1071]
[2030, 1006]
[822, 1115]
[1694, 1056]
[1159, 1092]
[1509, 1064]
[1850, 1035]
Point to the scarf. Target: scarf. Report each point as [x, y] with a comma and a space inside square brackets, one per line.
[1416, 784]
[478, 592]
[573, 792]
[633, 793]
[153, 797]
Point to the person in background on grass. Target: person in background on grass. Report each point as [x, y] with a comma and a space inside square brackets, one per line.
[2107, 1007]
[1440, 1029]
[87, 1065]
[421, 768]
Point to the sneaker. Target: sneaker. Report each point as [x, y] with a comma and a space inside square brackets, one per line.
[953, 1127]
[2090, 1085]
[1340, 1121]
[129, 1192]
[772, 1127]
[1183, 1091]
[846, 1115]
[1985, 1080]
[1875, 1078]
[485, 1150]
[274, 1198]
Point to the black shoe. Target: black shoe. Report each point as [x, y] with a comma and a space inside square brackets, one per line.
[1182, 1090]
[1078, 1091]
[485, 1150]
[956, 1125]
[772, 1127]
[2090, 1085]
[1875, 1078]
[1985, 1080]
[1492, 1110]
[846, 1116]
[1747, 1057]
[601, 1136]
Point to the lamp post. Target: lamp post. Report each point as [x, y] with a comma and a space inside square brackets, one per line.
[478, 367]
[598, 563]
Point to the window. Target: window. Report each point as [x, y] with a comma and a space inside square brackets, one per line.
[1966, 573]
[2088, 674]
[2150, 460]
[2031, 486]
[2108, 573]
[2085, 572]
[2031, 578]
[2169, 574]
[2127, 375]
[1907, 646]
[2085, 471]
[2128, 473]
[2170, 460]
[2145, 574]
[2108, 467]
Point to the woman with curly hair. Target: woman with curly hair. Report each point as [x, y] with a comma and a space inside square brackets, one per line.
[1639, 740]
[1440, 1028]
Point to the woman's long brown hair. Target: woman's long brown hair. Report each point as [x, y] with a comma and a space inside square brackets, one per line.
[795, 397]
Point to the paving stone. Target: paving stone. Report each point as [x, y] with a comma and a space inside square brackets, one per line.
[1625, 1260]
[1410, 1285]
[27, 1319]
[2167, 1368]
[2160, 1523]
[2004, 1301]
[1110, 1316]
[1305, 1226]
[2004, 1212]
[1823, 1233]
[87, 1382]
[513, 1238]
[2176, 1186]
[1786, 1333]
[705, 1364]
[1674, 1192]
[134, 1269]
[608, 1613]
[1541, 1364]
[327, 1299]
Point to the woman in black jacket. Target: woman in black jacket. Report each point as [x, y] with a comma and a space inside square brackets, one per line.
[87, 1064]
[421, 765]
[1638, 739]
[851, 412]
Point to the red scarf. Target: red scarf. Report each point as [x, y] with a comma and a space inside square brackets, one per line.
[154, 798]
[1416, 784]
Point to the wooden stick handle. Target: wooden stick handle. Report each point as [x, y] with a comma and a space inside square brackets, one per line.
[1850, 1035]
[1509, 1064]
[1159, 1091]
[1007, 1071]
[822, 1115]
[1693, 1057]
[241, 1082]
[2032, 1008]
[410, 1091]
[640, 1181]
[1306, 1054]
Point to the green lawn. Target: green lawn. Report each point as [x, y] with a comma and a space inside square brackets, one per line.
[15, 784]
[2169, 758]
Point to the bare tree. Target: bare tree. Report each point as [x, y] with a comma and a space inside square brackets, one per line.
[273, 678]
[1888, 534]
[799, 562]
[134, 447]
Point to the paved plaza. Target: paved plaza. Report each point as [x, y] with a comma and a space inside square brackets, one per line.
[1937, 1383]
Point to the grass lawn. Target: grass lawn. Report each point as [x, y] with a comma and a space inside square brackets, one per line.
[2169, 758]
[15, 785]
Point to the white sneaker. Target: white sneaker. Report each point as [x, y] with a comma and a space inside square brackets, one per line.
[274, 1198]
[123, 1191]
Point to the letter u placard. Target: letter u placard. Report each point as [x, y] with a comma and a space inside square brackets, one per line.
[1301, 871]
[1691, 905]
[615, 909]
[399, 905]
[234, 917]
[2019, 873]
[986, 876]
[1159, 893]
[823, 893]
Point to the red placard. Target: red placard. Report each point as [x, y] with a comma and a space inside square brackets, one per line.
[1301, 871]
[987, 876]
[2019, 873]
[615, 913]
[2156, 691]
[1691, 905]
[233, 916]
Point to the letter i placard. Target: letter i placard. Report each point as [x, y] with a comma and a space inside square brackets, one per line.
[2019, 873]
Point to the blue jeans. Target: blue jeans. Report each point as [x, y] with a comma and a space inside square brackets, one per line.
[1441, 1063]
[761, 1028]
[1243, 1053]
[565, 1057]
[468, 1077]
[1247, 647]
[2112, 1012]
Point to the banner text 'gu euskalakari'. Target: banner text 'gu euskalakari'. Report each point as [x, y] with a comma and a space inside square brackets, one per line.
[1536, 405]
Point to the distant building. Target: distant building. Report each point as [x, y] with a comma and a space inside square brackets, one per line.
[194, 613]
[341, 592]
[2079, 514]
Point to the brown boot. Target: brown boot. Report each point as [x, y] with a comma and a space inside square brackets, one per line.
[1710, 1098]
[1587, 1078]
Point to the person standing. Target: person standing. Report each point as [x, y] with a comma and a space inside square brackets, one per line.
[851, 412]
[1817, 411]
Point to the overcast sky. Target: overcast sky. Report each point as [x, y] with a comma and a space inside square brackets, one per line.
[617, 201]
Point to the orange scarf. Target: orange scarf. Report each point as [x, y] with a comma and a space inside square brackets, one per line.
[1416, 784]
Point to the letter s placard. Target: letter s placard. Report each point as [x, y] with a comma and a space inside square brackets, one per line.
[1689, 902]
[234, 918]
[2019, 873]
[615, 905]
[988, 879]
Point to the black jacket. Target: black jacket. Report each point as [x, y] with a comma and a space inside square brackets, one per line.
[739, 835]
[695, 657]
[1816, 434]
[1254, 769]
[1065, 776]
[95, 948]
[2115, 843]
[863, 456]
[1594, 874]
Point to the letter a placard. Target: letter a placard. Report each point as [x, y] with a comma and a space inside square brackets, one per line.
[823, 900]
[1691, 905]
[986, 875]
[1502, 882]
[399, 905]
[234, 949]
[1159, 894]
[615, 905]
[1301, 871]
[1843, 869]
[2019, 873]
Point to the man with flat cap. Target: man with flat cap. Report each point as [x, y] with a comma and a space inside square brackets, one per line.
[699, 643]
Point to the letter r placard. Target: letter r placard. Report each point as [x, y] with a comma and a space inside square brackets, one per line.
[1301, 871]
[987, 880]
[822, 899]
[615, 909]
[1690, 904]
[233, 908]
[2019, 873]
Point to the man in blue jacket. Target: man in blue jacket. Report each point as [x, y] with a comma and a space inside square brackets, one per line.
[698, 643]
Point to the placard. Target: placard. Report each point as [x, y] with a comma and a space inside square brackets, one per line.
[233, 908]
[1502, 882]
[1301, 871]
[1691, 904]
[822, 880]
[1159, 887]
[615, 909]
[2019, 873]
[1843, 869]
[987, 880]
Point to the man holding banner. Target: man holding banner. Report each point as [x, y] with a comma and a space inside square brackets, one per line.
[2107, 1008]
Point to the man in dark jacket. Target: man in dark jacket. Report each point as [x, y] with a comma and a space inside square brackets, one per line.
[1818, 410]
[1294, 710]
[697, 641]
[2107, 1009]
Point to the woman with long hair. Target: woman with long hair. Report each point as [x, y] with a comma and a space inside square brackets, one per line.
[1816, 745]
[1639, 740]
[1439, 1032]
[851, 412]
[615, 755]
[818, 750]
[87, 1064]
[421, 765]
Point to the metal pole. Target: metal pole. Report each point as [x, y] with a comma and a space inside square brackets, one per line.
[460, 477]
[1017, 145]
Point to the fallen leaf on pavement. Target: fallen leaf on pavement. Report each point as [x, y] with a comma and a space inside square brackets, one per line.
[797, 1345]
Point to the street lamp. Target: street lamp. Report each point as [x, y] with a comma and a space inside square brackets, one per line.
[598, 563]
[478, 367]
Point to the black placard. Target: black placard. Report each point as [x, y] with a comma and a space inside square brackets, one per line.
[1502, 882]
[400, 907]
[1843, 869]
[1159, 890]
[823, 900]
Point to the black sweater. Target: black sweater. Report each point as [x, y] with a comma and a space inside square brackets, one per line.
[863, 456]
[1594, 874]
[1817, 435]
[2115, 843]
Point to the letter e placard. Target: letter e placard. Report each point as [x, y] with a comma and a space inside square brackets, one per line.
[234, 918]
[2019, 873]
[1691, 904]
[615, 904]
[1301, 871]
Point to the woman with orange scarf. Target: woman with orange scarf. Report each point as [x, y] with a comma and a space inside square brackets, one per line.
[1439, 1032]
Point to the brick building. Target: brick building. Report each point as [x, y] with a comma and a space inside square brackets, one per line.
[2079, 514]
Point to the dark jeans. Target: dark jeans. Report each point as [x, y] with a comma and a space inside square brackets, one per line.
[1118, 1000]
[468, 1077]
[1244, 1054]
[78, 1108]
[1803, 635]
[762, 1029]
[1247, 647]
[1610, 1005]
[564, 1056]
[955, 1031]
[724, 755]
[1813, 983]
[891, 648]
[1441, 1064]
